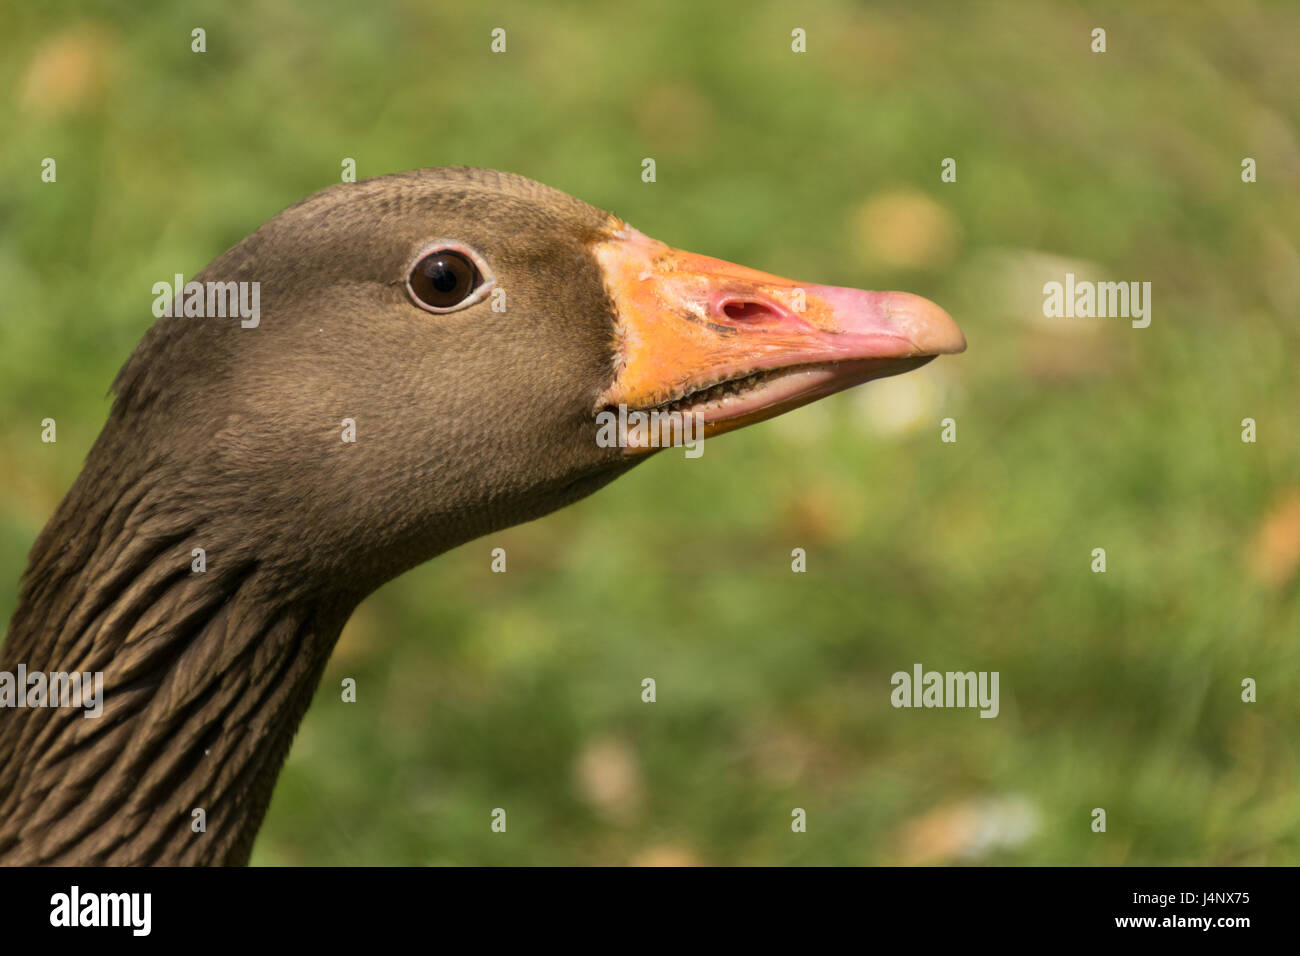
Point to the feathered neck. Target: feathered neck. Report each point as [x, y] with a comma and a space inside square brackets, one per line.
[206, 675]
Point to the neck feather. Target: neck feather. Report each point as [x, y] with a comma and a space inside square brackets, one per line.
[206, 676]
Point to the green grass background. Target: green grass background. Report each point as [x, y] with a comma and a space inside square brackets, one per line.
[1119, 690]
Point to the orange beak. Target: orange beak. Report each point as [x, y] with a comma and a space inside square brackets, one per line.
[737, 346]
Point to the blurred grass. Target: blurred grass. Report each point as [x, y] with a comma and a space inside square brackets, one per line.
[522, 690]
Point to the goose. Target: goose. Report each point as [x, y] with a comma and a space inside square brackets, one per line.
[467, 327]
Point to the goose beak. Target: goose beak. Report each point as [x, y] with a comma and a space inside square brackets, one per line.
[700, 335]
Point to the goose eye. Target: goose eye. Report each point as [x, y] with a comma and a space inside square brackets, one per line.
[443, 280]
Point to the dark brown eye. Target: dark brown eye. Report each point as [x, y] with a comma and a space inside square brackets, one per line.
[444, 279]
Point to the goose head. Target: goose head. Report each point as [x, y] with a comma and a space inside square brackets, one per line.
[434, 349]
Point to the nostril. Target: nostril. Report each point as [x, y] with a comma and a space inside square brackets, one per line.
[747, 310]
